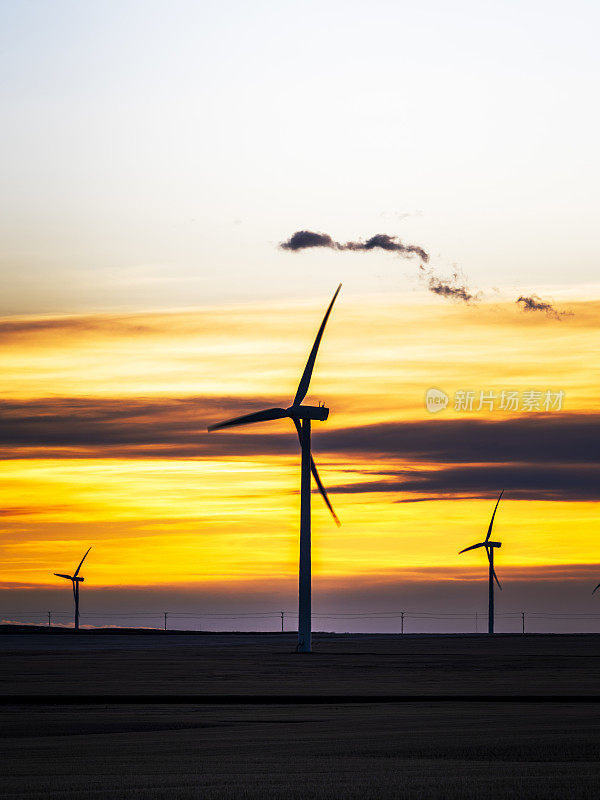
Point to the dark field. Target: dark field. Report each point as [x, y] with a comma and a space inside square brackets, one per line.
[425, 748]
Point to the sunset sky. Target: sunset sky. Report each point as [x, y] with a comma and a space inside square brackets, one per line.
[154, 158]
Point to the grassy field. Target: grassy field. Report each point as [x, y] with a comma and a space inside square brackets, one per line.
[426, 749]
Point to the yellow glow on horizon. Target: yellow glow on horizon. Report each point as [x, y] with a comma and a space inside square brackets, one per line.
[168, 519]
[192, 521]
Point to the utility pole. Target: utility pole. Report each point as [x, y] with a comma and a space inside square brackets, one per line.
[282, 616]
[166, 615]
[522, 622]
[402, 622]
[49, 620]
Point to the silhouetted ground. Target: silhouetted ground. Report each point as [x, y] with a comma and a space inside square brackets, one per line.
[369, 750]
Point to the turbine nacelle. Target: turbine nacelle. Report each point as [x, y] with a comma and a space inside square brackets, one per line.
[308, 412]
[481, 544]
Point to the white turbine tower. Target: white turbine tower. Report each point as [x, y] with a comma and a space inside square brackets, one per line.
[75, 580]
[489, 549]
[301, 416]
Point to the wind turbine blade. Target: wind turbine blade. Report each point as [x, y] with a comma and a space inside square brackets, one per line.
[60, 575]
[487, 550]
[257, 416]
[321, 488]
[596, 589]
[496, 579]
[81, 562]
[313, 469]
[473, 547]
[489, 533]
[308, 369]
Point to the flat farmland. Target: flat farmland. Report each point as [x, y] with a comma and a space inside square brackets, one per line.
[241, 715]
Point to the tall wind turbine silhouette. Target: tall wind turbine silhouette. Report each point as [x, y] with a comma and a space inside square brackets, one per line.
[596, 589]
[489, 549]
[301, 415]
[75, 580]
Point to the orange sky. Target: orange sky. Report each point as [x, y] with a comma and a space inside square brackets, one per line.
[105, 443]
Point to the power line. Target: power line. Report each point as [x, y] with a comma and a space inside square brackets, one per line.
[278, 617]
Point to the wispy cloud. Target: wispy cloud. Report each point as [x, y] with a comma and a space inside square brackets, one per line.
[303, 240]
[572, 483]
[535, 303]
[392, 244]
[454, 287]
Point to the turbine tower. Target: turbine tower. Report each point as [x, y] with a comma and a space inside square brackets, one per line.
[75, 580]
[301, 415]
[489, 549]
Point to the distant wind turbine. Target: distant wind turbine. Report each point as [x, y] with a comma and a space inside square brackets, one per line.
[75, 580]
[301, 416]
[596, 589]
[489, 549]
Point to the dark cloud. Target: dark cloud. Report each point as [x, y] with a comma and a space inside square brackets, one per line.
[454, 288]
[535, 303]
[390, 243]
[451, 288]
[520, 481]
[105, 426]
[71, 422]
[555, 438]
[302, 240]
[471, 456]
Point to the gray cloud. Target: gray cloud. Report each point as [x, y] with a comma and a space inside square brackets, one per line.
[454, 288]
[162, 424]
[390, 243]
[542, 456]
[451, 288]
[520, 481]
[302, 240]
[535, 303]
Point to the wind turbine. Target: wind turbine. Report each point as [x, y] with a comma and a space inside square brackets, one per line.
[596, 589]
[301, 415]
[489, 549]
[75, 580]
